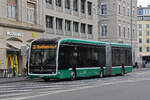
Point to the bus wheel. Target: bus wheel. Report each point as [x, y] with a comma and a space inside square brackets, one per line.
[73, 75]
[101, 74]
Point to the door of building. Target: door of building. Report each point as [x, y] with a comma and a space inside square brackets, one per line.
[12, 63]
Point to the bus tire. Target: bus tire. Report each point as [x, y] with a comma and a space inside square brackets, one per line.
[73, 75]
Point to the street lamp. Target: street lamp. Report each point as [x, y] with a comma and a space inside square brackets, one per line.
[131, 32]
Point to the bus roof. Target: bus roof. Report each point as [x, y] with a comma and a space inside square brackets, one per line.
[81, 41]
[120, 45]
[73, 40]
[93, 42]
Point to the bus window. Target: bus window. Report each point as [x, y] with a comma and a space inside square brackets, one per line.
[43, 60]
[66, 59]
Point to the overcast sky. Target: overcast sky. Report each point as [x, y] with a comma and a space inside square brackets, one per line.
[143, 2]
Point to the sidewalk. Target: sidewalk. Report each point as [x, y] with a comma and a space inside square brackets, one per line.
[140, 69]
[19, 79]
[14, 79]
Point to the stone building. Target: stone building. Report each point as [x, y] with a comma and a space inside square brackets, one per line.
[116, 20]
[21, 21]
[143, 34]
[71, 18]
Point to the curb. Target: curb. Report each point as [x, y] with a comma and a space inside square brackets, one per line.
[11, 80]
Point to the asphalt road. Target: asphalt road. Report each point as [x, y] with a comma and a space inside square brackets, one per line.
[119, 91]
[133, 86]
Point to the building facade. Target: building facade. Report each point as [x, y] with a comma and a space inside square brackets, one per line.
[71, 18]
[21, 21]
[143, 36]
[118, 21]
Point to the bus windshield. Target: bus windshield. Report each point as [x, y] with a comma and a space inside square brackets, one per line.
[43, 59]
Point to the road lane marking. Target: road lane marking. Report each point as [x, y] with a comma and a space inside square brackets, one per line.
[78, 88]
[14, 94]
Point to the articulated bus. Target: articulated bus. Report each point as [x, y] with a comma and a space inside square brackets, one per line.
[67, 58]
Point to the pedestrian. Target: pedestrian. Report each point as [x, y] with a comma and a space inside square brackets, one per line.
[14, 70]
[136, 65]
[143, 64]
[26, 70]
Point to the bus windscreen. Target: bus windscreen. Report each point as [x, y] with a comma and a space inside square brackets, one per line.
[43, 59]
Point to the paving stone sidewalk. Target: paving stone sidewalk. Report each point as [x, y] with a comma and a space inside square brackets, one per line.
[13, 79]
[140, 69]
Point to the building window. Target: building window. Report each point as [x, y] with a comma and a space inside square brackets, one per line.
[119, 9]
[124, 11]
[133, 13]
[104, 30]
[133, 34]
[67, 25]
[140, 49]
[89, 8]
[75, 5]
[104, 9]
[75, 26]
[128, 32]
[30, 12]
[140, 26]
[146, 11]
[67, 4]
[148, 49]
[140, 33]
[58, 3]
[82, 6]
[49, 1]
[147, 26]
[128, 12]
[124, 31]
[11, 9]
[89, 29]
[83, 28]
[140, 40]
[147, 33]
[119, 29]
[49, 21]
[147, 40]
[59, 23]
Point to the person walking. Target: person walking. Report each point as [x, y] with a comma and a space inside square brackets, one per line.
[14, 70]
[143, 64]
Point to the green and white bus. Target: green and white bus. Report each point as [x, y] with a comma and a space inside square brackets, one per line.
[67, 58]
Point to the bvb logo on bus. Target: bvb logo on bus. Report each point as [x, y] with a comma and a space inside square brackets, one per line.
[12, 60]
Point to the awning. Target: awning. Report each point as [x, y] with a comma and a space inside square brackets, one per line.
[15, 44]
[12, 49]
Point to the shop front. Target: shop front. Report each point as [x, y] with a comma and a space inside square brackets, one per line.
[13, 51]
[15, 37]
[13, 63]
[146, 61]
